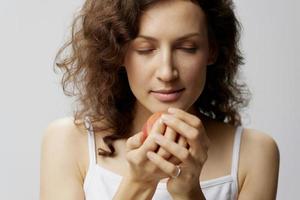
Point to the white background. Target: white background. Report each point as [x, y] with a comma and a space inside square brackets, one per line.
[32, 31]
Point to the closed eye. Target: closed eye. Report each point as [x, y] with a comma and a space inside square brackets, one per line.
[189, 50]
[145, 51]
[186, 49]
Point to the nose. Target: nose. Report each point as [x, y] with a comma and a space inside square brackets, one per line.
[166, 70]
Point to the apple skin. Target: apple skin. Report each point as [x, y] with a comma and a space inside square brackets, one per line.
[148, 125]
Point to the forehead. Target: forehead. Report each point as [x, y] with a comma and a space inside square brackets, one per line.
[172, 18]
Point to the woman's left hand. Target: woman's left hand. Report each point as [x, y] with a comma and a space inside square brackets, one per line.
[187, 184]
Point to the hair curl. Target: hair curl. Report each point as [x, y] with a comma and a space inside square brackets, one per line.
[91, 64]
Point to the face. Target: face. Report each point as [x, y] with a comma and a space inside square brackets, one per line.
[170, 53]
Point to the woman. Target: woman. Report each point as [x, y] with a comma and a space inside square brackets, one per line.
[130, 59]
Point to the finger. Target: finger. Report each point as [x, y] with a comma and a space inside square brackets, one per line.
[171, 135]
[186, 117]
[158, 127]
[149, 144]
[192, 120]
[182, 141]
[175, 149]
[134, 141]
[190, 133]
[161, 163]
[174, 160]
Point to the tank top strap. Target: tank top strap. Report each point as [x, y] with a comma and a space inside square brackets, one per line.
[236, 151]
[91, 140]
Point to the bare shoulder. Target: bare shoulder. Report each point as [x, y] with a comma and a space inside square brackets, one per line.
[258, 136]
[63, 134]
[259, 158]
[69, 139]
[63, 127]
[259, 144]
[62, 154]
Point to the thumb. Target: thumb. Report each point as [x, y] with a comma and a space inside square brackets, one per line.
[134, 141]
[149, 144]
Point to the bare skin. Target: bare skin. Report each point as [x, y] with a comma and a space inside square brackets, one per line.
[175, 57]
[257, 173]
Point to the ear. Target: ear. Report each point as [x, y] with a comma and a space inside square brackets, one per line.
[213, 55]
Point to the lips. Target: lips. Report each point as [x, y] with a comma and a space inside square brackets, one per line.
[167, 91]
[168, 95]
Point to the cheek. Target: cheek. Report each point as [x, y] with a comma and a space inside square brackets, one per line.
[133, 68]
[138, 77]
[195, 70]
[135, 75]
[196, 75]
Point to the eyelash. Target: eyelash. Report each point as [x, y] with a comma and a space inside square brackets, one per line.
[188, 50]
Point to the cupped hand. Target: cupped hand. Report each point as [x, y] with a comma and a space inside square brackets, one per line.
[141, 169]
[192, 159]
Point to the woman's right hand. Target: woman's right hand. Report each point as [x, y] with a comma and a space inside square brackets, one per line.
[140, 168]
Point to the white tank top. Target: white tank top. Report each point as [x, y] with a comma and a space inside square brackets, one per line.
[101, 183]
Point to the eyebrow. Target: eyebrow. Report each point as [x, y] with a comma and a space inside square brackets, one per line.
[178, 39]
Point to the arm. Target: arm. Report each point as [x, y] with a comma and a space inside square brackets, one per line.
[262, 167]
[60, 177]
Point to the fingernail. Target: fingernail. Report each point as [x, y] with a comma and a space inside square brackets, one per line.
[161, 121]
[171, 110]
[164, 117]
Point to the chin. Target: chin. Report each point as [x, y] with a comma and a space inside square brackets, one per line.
[163, 107]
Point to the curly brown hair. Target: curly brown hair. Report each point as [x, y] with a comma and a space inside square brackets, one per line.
[91, 64]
